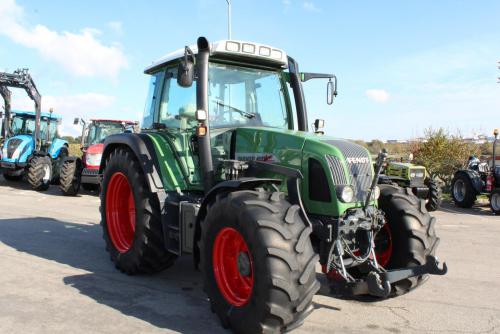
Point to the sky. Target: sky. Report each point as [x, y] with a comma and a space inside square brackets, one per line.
[402, 66]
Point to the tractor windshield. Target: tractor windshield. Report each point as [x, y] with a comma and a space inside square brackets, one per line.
[242, 96]
[22, 125]
[98, 131]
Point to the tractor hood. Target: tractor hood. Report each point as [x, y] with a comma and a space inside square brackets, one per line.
[17, 149]
[326, 163]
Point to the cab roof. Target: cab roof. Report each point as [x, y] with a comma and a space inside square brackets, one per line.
[230, 49]
[32, 113]
[113, 121]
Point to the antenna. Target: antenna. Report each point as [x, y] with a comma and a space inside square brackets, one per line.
[229, 18]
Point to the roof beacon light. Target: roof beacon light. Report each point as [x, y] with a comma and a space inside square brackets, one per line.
[248, 48]
[264, 51]
[232, 46]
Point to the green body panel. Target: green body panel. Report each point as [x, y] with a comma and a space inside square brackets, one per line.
[406, 171]
[293, 149]
[177, 166]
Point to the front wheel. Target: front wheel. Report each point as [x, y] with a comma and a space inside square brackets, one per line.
[434, 197]
[257, 262]
[131, 217]
[462, 191]
[40, 173]
[495, 201]
[70, 176]
[408, 236]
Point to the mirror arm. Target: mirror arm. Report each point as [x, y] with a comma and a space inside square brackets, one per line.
[305, 76]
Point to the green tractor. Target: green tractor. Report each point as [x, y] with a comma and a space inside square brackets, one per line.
[226, 171]
[416, 178]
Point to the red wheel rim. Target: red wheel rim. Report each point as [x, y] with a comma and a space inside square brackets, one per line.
[383, 245]
[120, 212]
[233, 266]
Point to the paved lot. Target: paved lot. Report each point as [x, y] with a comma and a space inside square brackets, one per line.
[55, 277]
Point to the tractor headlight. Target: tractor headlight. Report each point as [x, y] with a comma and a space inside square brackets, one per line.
[345, 194]
[93, 159]
[420, 174]
[412, 175]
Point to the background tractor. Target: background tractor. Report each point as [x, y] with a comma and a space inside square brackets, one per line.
[84, 171]
[31, 145]
[225, 170]
[479, 178]
[416, 178]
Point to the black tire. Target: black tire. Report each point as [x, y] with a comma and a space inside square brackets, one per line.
[71, 173]
[12, 177]
[466, 197]
[279, 243]
[412, 234]
[57, 165]
[434, 197]
[495, 201]
[40, 173]
[90, 187]
[147, 253]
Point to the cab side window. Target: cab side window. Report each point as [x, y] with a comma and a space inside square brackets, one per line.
[177, 104]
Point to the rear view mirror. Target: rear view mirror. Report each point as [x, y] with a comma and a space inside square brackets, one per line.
[331, 90]
[185, 70]
[76, 121]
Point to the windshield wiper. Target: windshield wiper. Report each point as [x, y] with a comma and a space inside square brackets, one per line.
[243, 113]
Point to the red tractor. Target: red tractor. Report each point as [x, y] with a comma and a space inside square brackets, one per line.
[84, 171]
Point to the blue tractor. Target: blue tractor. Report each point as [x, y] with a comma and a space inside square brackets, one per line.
[29, 139]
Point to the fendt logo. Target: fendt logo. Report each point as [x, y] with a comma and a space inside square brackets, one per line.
[363, 160]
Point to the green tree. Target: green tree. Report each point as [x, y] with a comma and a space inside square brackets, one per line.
[442, 154]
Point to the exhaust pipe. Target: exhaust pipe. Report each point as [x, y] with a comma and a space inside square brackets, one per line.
[204, 150]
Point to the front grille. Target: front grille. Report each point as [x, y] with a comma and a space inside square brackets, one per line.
[359, 166]
[337, 169]
[12, 145]
[90, 171]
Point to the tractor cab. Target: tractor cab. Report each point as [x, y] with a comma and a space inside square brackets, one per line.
[84, 171]
[19, 142]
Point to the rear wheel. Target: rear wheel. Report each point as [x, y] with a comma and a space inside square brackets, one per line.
[495, 201]
[462, 191]
[408, 236]
[434, 196]
[12, 177]
[71, 172]
[131, 217]
[257, 261]
[40, 172]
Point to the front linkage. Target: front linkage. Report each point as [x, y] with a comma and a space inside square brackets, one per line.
[348, 253]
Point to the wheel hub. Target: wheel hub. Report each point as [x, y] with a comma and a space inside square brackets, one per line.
[233, 266]
[120, 212]
[459, 190]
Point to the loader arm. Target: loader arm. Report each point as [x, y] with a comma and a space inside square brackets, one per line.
[20, 79]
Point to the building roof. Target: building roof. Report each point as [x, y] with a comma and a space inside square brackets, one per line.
[231, 48]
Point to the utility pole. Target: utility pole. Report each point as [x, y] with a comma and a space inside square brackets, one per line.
[229, 18]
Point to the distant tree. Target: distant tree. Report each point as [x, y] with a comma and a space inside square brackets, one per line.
[442, 154]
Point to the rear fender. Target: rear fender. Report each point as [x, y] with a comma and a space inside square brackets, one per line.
[142, 147]
[474, 178]
[56, 147]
